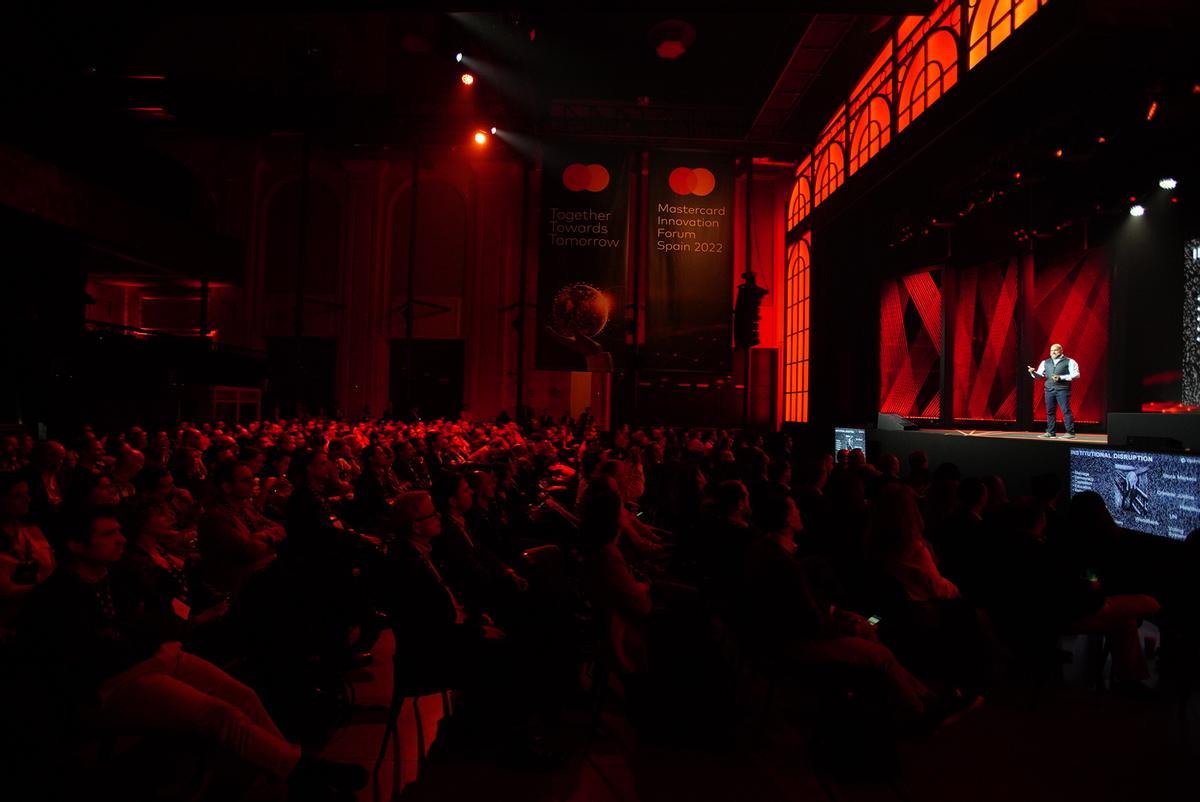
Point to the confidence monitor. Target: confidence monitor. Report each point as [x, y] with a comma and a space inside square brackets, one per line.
[849, 439]
[1145, 491]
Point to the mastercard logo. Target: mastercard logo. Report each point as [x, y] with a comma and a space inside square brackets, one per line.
[585, 177]
[689, 181]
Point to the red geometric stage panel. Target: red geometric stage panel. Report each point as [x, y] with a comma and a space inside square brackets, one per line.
[910, 345]
[1070, 306]
[985, 343]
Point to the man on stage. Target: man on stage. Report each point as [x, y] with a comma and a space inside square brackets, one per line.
[1059, 372]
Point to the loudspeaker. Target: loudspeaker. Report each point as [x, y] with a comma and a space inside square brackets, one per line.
[894, 423]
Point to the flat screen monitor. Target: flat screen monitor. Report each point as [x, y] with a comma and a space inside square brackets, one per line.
[850, 439]
[1145, 491]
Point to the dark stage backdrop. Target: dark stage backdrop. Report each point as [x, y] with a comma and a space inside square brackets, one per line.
[583, 258]
[985, 342]
[910, 351]
[1070, 306]
[689, 274]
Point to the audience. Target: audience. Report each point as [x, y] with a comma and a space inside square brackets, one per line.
[279, 550]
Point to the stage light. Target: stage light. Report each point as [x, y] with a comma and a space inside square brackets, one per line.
[458, 57]
[468, 79]
[1167, 183]
[493, 130]
[1153, 110]
[1137, 210]
[481, 138]
[1058, 153]
[1101, 140]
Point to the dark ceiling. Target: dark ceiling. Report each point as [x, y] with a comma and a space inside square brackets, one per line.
[376, 76]
[93, 89]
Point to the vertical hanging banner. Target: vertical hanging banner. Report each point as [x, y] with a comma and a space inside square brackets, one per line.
[689, 271]
[582, 260]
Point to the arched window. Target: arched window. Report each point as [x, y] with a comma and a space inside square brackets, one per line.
[795, 330]
[800, 203]
[830, 172]
[872, 129]
[930, 69]
[992, 21]
[323, 241]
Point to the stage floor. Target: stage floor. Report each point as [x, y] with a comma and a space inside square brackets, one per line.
[1080, 439]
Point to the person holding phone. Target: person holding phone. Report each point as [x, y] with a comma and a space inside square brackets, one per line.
[1059, 372]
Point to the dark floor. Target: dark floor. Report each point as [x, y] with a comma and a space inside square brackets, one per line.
[1069, 744]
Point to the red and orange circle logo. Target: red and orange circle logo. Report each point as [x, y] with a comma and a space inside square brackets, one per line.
[585, 177]
[692, 181]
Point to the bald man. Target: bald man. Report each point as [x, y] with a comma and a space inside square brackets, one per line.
[1059, 372]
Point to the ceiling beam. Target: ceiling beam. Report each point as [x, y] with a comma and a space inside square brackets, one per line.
[821, 38]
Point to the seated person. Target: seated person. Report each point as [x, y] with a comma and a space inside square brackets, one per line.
[720, 543]
[158, 485]
[164, 574]
[1090, 558]
[112, 650]
[376, 489]
[895, 539]
[644, 541]
[236, 540]
[483, 581]
[129, 464]
[782, 616]
[445, 644]
[612, 587]
[488, 517]
[964, 543]
[45, 481]
[944, 632]
[26, 559]
[315, 531]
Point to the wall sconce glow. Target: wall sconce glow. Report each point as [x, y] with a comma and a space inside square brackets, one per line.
[1168, 183]
[1137, 210]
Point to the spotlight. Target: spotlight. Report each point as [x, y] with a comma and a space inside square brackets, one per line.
[1137, 210]
[493, 130]
[468, 79]
[1167, 183]
[458, 57]
[481, 138]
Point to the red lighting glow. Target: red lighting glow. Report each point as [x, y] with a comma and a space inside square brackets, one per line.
[1150, 112]
[481, 137]
[468, 79]
[1058, 154]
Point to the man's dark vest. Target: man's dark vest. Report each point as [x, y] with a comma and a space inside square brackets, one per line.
[1063, 368]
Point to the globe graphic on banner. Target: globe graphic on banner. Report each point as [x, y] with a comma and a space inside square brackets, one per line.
[579, 309]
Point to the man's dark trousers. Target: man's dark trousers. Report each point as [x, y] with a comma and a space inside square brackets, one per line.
[1059, 397]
